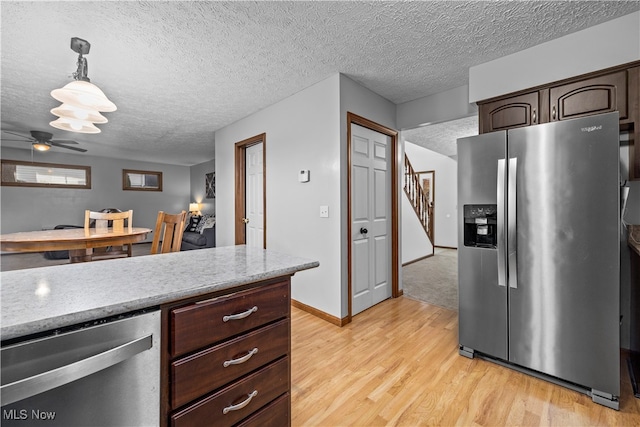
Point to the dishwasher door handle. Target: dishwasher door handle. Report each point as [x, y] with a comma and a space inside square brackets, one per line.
[30, 386]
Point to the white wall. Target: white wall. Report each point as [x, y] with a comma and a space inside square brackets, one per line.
[26, 209]
[302, 132]
[606, 45]
[415, 242]
[305, 131]
[446, 193]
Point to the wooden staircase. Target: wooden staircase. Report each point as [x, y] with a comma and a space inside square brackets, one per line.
[418, 198]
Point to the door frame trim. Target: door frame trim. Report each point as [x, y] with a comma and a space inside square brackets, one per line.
[240, 190]
[393, 134]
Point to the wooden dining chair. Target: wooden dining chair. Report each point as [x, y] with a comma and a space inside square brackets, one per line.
[119, 222]
[168, 233]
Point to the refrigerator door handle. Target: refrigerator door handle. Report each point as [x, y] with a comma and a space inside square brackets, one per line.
[500, 244]
[512, 226]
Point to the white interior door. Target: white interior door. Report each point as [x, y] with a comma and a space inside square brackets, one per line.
[370, 218]
[254, 214]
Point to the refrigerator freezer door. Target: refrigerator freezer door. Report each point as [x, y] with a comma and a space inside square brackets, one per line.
[482, 301]
[564, 314]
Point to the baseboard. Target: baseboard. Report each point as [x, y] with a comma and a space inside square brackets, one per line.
[446, 247]
[417, 259]
[321, 314]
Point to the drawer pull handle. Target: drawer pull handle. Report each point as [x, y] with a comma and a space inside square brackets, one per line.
[241, 404]
[240, 315]
[240, 360]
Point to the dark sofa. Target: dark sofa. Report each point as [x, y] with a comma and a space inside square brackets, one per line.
[199, 233]
[194, 240]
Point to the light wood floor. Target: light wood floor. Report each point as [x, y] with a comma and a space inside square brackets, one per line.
[397, 364]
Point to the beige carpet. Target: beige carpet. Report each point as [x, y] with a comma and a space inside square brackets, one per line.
[433, 280]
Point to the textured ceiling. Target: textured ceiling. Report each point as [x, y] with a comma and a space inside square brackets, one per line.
[178, 71]
[442, 137]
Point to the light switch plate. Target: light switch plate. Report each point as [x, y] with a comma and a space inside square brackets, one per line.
[324, 211]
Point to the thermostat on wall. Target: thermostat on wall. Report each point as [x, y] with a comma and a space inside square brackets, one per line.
[303, 176]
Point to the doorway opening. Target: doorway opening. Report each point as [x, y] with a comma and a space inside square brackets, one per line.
[430, 273]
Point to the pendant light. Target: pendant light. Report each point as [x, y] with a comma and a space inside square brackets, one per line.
[82, 101]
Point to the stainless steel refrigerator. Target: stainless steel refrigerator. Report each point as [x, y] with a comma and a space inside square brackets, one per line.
[538, 253]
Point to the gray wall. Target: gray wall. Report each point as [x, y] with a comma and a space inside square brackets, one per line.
[27, 209]
[440, 107]
[198, 193]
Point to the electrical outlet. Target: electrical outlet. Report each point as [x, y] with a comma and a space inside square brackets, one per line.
[324, 211]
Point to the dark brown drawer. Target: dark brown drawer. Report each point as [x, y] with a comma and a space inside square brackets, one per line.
[205, 371]
[264, 385]
[275, 414]
[200, 324]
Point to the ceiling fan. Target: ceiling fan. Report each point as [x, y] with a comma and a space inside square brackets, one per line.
[42, 141]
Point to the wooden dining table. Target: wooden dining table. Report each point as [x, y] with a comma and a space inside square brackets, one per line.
[78, 241]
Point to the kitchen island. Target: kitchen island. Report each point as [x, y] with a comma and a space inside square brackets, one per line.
[42, 299]
[218, 303]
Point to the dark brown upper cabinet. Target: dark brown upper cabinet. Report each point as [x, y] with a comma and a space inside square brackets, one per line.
[602, 94]
[613, 89]
[508, 113]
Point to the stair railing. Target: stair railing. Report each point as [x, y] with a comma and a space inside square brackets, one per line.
[418, 198]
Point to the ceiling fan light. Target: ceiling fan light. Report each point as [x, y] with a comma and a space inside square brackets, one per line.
[72, 112]
[40, 146]
[84, 95]
[79, 126]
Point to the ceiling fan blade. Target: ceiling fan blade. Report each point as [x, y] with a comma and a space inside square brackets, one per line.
[63, 141]
[82, 150]
[17, 134]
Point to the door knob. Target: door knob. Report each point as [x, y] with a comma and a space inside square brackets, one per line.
[363, 230]
[245, 220]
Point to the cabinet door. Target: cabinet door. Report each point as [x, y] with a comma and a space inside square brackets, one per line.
[596, 95]
[513, 112]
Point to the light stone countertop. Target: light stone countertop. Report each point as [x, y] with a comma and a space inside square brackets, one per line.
[41, 299]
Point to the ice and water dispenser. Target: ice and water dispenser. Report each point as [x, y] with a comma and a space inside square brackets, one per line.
[480, 226]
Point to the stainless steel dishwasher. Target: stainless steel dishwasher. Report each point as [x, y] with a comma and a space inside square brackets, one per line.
[105, 374]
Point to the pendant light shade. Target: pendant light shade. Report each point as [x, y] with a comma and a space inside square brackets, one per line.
[81, 100]
[76, 113]
[83, 94]
[71, 125]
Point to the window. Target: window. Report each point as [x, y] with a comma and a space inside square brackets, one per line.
[33, 174]
[141, 180]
